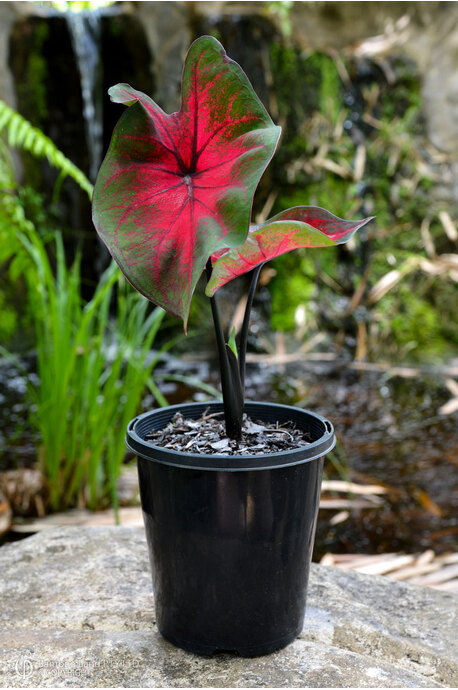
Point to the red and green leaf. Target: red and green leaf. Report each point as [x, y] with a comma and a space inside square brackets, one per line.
[302, 226]
[174, 189]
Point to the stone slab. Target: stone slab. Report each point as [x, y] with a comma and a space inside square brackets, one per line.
[76, 609]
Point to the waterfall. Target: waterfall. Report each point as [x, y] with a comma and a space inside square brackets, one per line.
[85, 32]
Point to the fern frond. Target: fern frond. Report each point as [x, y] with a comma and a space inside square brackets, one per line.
[22, 134]
[12, 215]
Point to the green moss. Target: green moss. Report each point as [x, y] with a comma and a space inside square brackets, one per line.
[443, 300]
[303, 84]
[416, 316]
[413, 323]
[406, 96]
[332, 193]
[32, 91]
[293, 285]
[330, 89]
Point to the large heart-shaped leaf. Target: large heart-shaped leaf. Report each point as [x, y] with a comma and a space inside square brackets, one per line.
[175, 188]
[302, 226]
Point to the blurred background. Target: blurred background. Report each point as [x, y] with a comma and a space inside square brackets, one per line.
[366, 334]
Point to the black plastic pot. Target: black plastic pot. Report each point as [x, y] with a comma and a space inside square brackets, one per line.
[230, 538]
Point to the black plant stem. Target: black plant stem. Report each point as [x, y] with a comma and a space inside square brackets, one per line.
[246, 324]
[232, 420]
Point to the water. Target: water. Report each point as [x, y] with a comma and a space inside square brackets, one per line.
[85, 33]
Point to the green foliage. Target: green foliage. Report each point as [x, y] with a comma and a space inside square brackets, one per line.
[295, 286]
[407, 101]
[411, 324]
[21, 134]
[92, 368]
[18, 206]
[282, 9]
[9, 320]
[329, 87]
[314, 81]
[12, 219]
[328, 124]
[443, 301]
[92, 373]
[81, 5]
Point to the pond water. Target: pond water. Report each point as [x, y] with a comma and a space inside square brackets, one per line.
[389, 432]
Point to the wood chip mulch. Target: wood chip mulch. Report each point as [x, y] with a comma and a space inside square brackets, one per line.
[207, 435]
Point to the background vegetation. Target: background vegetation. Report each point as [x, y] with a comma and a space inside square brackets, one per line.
[353, 141]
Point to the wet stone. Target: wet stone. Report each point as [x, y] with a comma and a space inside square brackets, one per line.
[77, 610]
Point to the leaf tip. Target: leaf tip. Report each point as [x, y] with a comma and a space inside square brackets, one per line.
[122, 93]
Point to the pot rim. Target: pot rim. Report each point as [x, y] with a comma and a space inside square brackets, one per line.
[140, 425]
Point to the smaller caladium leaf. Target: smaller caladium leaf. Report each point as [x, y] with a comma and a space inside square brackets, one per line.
[302, 226]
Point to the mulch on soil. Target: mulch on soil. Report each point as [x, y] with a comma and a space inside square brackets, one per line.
[208, 435]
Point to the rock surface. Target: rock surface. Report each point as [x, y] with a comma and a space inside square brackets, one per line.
[77, 610]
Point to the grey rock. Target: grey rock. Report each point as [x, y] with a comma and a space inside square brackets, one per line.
[77, 610]
[9, 13]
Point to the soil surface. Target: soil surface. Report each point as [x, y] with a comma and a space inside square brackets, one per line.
[208, 435]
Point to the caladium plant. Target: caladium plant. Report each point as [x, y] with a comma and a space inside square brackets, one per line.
[174, 194]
